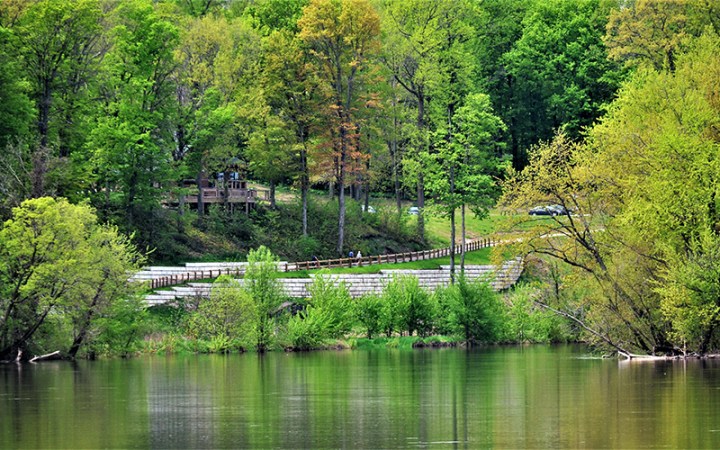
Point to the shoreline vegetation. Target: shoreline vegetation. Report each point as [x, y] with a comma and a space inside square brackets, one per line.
[136, 132]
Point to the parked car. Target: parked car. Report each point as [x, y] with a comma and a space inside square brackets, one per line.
[548, 210]
[370, 209]
[413, 211]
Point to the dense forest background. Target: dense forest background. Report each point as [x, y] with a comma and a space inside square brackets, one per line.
[118, 102]
[610, 109]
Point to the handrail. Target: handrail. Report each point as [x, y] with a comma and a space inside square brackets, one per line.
[394, 258]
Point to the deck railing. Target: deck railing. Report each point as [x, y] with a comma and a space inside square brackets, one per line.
[193, 275]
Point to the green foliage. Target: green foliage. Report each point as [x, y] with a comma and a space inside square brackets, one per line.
[309, 329]
[335, 303]
[654, 32]
[59, 264]
[228, 315]
[408, 307]
[16, 109]
[264, 290]
[527, 322]
[121, 330]
[473, 310]
[128, 140]
[645, 191]
[369, 311]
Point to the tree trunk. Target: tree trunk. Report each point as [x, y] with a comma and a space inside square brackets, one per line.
[80, 338]
[41, 154]
[50, 356]
[304, 182]
[452, 246]
[421, 181]
[200, 199]
[272, 194]
[18, 344]
[226, 190]
[463, 241]
[396, 174]
[341, 198]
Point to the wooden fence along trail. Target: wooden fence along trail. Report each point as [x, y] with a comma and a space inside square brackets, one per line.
[173, 276]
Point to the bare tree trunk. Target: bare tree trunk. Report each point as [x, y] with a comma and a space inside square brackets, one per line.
[463, 241]
[304, 182]
[272, 194]
[341, 201]
[200, 199]
[421, 179]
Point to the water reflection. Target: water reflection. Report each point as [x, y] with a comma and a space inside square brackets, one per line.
[507, 397]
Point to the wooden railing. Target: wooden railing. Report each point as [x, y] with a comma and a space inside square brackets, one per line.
[193, 275]
[386, 259]
[172, 280]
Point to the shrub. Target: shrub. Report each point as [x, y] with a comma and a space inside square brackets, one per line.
[369, 312]
[335, 303]
[308, 329]
[529, 323]
[475, 310]
[408, 306]
[228, 314]
[266, 293]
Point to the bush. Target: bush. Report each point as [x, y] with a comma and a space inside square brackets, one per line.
[266, 293]
[529, 323]
[408, 306]
[475, 311]
[308, 329]
[229, 314]
[335, 303]
[369, 312]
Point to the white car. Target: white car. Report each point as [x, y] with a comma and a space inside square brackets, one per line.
[370, 209]
[413, 211]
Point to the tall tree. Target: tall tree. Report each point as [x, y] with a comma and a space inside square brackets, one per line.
[296, 94]
[130, 140]
[215, 56]
[422, 39]
[499, 26]
[561, 73]
[645, 191]
[655, 32]
[59, 42]
[342, 36]
[465, 163]
[59, 265]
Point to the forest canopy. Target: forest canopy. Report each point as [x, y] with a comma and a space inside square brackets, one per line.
[119, 102]
[608, 108]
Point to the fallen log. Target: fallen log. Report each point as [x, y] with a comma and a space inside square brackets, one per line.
[49, 357]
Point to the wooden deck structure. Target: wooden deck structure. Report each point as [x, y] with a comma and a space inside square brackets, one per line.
[235, 192]
[232, 193]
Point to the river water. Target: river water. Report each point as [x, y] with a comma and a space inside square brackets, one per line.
[500, 397]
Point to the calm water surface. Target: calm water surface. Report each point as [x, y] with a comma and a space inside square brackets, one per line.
[506, 397]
